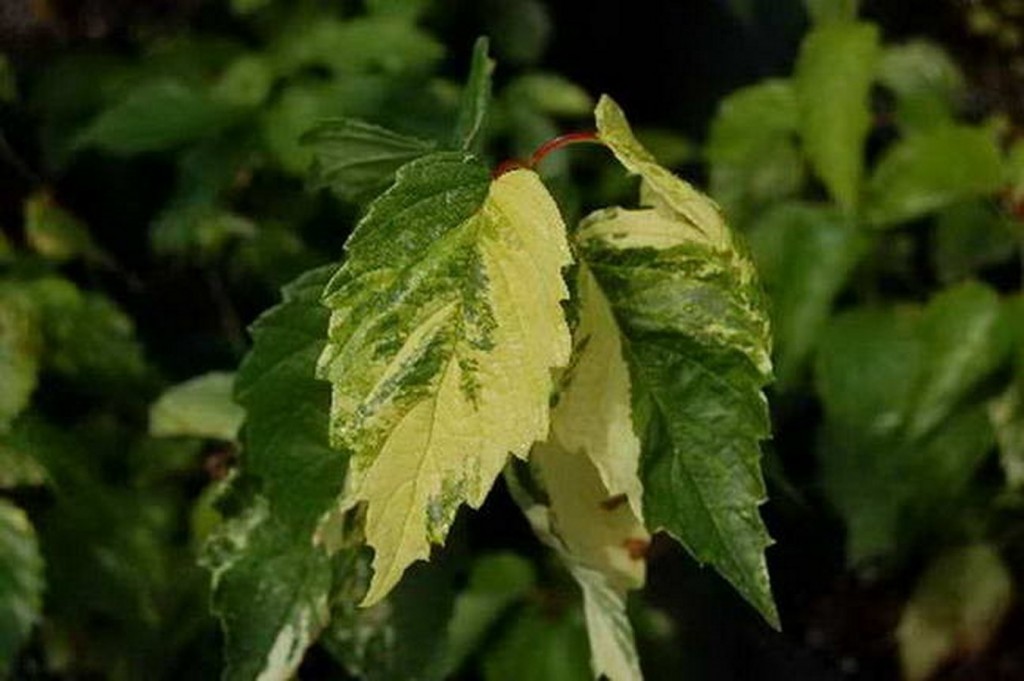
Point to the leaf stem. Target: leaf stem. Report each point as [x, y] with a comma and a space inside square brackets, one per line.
[554, 144]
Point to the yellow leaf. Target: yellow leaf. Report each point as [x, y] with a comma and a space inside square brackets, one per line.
[463, 379]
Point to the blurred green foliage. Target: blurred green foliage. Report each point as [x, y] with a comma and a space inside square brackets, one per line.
[885, 221]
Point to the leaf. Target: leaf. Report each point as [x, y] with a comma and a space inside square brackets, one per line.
[752, 146]
[893, 492]
[270, 584]
[538, 646]
[476, 98]
[87, 337]
[955, 610]
[965, 338]
[371, 44]
[696, 339]
[54, 233]
[805, 255]
[403, 638]
[20, 346]
[1006, 413]
[357, 160]
[925, 81]
[302, 105]
[199, 407]
[21, 582]
[970, 237]
[246, 82]
[931, 170]
[409, 10]
[156, 116]
[593, 415]
[198, 231]
[831, 11]
[602, 543]
[833, 84]
[521, 30]
[446, 321]
[550, 94]
[497, 582]
[903, 438]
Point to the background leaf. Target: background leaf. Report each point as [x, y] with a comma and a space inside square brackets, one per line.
[358, 160]
[21, 581]
[833, 80]
[956, 608]
[271, 586]
[932, 170]
[805, 255]
[199, 407]
[156, 116]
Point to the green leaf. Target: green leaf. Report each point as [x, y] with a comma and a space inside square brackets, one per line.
[446, 322]
[965, 338]
[20, 348]
[1013, 172]
[87, 337]
[18, 468]
[893, 492]
[410, 10]
[970, 237]
[696, 339]
[550, 94]
[21, 581]
[246, 82]
[805, 255]
[54, 233]
[925, 81]
[956, 610]
[752, 146]
[403, 638]
[1006, 413]
[200, 407]
[357, 160]
[903, 437]
[521, 30]
[539, 646]
[270, 584]
[156, 116]
[476, 98]
[931, 170]
[831, 11]
[498, 581]
[198, 231]
[833, 84]
[270, 590]
[302, 105]
[371, 44]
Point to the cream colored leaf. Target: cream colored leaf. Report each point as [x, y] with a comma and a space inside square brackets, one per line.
[441, 365]
[603, 545]
[594, 413]
[659, 188]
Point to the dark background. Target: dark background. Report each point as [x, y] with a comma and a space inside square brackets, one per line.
[668, 62]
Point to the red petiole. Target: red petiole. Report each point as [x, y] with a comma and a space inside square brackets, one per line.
[587, 137]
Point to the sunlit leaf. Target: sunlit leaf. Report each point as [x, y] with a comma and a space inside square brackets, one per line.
[696, 339]
[21, 581]
[956, 609]
[446, 321]
[833, 81]
[932, 170]
[199, 407]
